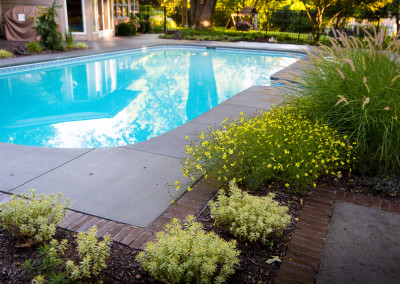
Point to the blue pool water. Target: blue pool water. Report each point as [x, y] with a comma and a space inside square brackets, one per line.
[124, 98]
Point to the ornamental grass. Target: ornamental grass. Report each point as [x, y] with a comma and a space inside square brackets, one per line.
[354, 87]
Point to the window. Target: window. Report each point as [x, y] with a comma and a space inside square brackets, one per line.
[121, 8]
[134, 7]
[75, 15]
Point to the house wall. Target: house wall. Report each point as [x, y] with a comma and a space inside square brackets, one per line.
[89, 33]
[6, 5]
[1, 21]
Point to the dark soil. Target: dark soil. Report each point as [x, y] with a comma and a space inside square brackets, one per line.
[381, 186]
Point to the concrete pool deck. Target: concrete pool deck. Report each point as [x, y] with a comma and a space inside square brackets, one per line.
[126, 184]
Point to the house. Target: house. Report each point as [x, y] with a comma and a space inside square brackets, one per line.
[87, 19]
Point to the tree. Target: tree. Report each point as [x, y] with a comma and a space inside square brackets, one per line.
[320, 7]
[201, 12]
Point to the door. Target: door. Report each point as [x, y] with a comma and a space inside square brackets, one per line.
[103, 17]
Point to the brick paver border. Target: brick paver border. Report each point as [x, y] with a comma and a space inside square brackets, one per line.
[303, 256]
[191, 203]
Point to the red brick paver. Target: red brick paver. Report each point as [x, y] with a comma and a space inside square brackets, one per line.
[302, 259]
[191, 203]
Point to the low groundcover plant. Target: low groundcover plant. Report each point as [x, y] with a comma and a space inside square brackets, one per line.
[35, 216]
[281, 146]
[52, 267]
[4, 54]
[82, 45]
[189, 255]
[249, 217]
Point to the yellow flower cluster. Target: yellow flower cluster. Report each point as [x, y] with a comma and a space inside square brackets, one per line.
[281, 145]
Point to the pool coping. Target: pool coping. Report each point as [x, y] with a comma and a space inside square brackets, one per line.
[277, 47]
[252, 97]
[10, 69]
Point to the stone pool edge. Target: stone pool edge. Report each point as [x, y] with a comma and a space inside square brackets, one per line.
[276, 47]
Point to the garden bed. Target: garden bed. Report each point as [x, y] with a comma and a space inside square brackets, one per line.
[123, 267]
[384, 186]
[21, 51]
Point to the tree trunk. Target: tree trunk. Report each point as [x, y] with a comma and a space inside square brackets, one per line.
[184, 13]
[202, 12]
[396, 3]
[398, 23]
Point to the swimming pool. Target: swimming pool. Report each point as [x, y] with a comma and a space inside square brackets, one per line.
[124, 97]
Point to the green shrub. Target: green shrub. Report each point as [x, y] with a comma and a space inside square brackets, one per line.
[143, 16]
[281, 145]
[125, 29]
[69, 40]
[51, 265]
[36, 218]
[5, 54]
[157, 23]
[144, 26]
[92, 254]
[283, 37]
[189, 255]
[354, 86]
[166, 36]
[34, 46]
[249, 217]
[82, 45]
[46, 27]
[45, 268]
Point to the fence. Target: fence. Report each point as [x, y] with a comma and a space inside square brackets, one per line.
[285, 23]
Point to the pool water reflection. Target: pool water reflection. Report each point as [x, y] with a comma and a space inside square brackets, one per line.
[127, 98]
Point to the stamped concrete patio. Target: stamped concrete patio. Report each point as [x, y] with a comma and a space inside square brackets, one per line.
[127, 184]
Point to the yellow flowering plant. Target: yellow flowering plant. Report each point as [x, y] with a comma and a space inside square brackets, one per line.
[281, 146]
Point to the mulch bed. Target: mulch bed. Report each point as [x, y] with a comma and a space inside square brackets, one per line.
[366, 185]
[123, 268]
[18, 47]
